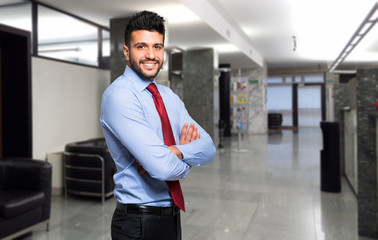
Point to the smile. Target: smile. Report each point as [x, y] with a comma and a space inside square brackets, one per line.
[149, 63]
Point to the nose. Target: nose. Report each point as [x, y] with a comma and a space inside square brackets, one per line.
[150, 53]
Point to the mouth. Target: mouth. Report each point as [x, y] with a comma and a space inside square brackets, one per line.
[150, 64]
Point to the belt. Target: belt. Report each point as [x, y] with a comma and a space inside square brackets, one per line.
[151, 210]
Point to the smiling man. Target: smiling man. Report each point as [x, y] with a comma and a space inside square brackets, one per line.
[151, 137]
[144, 53]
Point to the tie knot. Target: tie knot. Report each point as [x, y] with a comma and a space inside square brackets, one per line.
[152, 88]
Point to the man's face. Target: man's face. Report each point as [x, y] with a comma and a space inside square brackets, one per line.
[146, 53]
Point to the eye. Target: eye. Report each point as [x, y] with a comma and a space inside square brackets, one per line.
[158, 47]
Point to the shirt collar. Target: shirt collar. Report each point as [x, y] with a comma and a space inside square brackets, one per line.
[140, 84]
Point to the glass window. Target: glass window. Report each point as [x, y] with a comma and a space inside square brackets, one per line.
[66, 38]
[309, 97]
[105, 61]
[314, 78]
[279, 98]
[288, 79]
[17, 16]
[105, 43]
[309, 106]
[280, 101]
[298, 79]
[275, 79]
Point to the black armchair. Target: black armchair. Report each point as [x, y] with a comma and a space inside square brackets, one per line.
[25, 196]
[89, 169]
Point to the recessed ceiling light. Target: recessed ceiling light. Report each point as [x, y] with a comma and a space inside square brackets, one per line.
[177, 14]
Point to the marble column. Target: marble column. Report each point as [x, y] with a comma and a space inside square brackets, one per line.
[258, 113]
[257, 99]
[367, 81]
[198, 85]
[341, 100]
[117, 40]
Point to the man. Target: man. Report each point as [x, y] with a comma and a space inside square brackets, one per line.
[151, 137]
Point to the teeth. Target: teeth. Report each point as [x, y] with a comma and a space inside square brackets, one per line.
[149, 64]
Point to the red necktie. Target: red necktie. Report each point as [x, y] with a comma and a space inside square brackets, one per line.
[169, 140]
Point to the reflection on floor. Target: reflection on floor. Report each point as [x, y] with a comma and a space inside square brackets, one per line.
[270, 192]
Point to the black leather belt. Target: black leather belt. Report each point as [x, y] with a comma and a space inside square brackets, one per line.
[142, 209]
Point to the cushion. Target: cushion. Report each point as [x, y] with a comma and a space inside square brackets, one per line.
[91, 146]
[13, 203]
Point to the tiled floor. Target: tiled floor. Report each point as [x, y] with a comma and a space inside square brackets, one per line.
[270, 192]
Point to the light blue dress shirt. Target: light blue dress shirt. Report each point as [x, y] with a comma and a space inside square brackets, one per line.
[132, 129]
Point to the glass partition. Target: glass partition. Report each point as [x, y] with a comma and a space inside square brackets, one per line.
[105, 61]
[66, 38]
[280, 101]
[17, 16]
[105, 43]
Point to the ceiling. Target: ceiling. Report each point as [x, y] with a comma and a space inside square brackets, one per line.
[249, 33]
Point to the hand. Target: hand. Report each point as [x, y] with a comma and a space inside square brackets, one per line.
[141, 170]
[176, 151]
[190, 135]
[187, 136]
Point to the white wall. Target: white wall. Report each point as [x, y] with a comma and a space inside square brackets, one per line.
[66, 104]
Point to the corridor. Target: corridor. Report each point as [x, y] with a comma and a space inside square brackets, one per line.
[266, 188]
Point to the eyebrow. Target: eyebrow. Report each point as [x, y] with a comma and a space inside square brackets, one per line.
[143, 43]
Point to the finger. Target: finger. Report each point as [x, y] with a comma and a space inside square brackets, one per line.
[183, 134]
[198, 135]
[194, 135]
[190, 133]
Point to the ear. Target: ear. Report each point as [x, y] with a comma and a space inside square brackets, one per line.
[126, 52]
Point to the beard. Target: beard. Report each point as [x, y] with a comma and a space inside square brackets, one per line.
[143, 74]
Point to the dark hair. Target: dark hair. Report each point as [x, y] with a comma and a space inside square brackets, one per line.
[144, 20]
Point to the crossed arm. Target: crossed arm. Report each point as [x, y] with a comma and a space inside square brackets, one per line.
[186, 136]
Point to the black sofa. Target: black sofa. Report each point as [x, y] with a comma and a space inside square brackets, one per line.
[274, 120]
[88, 169]
[25, 196]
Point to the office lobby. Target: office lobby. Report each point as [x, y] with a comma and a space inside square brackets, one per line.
[261, 77]
[267, 187]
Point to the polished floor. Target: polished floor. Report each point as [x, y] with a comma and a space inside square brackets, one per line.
[265, 187]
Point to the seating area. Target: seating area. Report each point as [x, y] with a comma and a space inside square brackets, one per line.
[274, 120]
[25, 196]
[88, 169]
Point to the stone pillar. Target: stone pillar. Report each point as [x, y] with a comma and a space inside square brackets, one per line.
[117, 40]
[198, 85]
[341, 100]
[257, 102]
[367, 81]
[175, 73]
[257, 99]
[224, 98]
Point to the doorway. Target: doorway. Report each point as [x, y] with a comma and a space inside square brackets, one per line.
[308, 104]
[15, 90]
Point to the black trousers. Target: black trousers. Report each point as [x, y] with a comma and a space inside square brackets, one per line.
[145, 227]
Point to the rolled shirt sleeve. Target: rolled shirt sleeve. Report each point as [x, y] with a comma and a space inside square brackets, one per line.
[200, 151]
